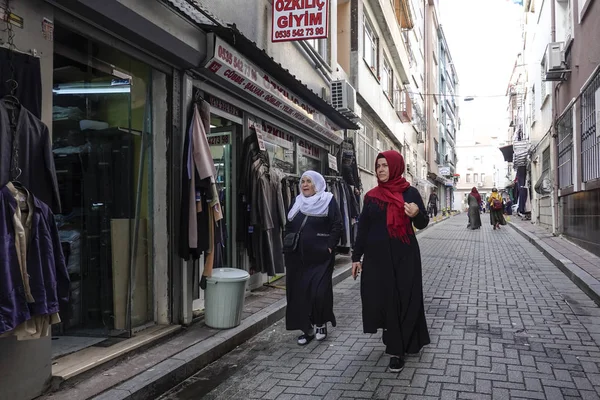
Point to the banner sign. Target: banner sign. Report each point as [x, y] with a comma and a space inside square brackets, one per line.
[233, 67]
[299, 20]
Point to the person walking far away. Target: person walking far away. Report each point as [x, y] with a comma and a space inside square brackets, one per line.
[474, 201]
[391, 284]
[313, 231]
[432, 203]
[496, 209]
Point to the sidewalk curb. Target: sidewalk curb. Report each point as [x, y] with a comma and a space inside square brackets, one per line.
[177, 368]
[587, 283]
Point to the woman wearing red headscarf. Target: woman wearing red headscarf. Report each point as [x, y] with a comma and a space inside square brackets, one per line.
[474, 202]
[391, 283]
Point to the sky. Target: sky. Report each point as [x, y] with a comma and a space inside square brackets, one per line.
[484, 38]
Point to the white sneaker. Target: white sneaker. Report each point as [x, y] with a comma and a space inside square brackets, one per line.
[321, 332]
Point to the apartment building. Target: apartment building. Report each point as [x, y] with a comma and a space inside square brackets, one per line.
[562, 81]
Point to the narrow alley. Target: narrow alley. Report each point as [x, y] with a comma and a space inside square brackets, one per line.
[505, 323]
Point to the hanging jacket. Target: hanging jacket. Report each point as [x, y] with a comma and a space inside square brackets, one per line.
[36, 160]
[48, 283]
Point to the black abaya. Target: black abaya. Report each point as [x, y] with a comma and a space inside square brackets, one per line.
[391, 279]
[309, 286]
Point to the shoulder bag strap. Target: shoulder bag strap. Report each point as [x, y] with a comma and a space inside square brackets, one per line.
[303, 223]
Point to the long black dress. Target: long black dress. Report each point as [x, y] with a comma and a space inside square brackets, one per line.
[391, 280]
[309, 286]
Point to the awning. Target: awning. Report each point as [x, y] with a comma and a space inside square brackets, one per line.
[507, 152]
[249, 49]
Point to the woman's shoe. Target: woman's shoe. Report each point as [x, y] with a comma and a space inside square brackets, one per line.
[321, 332]
[305, 339]
[396, 364]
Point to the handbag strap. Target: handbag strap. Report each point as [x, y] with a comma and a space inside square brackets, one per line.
[303, 223]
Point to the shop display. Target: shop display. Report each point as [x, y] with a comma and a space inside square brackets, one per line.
[261, 211]
[201, 228]
[32, 263]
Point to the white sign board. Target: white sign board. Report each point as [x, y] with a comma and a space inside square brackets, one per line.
[229, 64]
[333, 162]
[299, 20]
[444, 171]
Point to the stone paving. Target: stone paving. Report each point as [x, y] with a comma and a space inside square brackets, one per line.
[505, 323]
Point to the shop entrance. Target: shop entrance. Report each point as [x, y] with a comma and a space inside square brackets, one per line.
[219, 140]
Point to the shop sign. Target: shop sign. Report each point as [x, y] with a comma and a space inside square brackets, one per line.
[299, 20]
[333, 162]
[277, 136]
[309, 150]
[230, 65]
[224, 106]
[444, 171]
[219, 140]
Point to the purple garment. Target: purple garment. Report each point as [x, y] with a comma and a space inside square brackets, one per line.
[48, 275]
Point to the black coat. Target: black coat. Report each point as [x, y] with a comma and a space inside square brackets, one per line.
[391, 279]
[310, 269]
[35, 156]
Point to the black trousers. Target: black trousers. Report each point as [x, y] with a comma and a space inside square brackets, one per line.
[433, 210]
[27, 73]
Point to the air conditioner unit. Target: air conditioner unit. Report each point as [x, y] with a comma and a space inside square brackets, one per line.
[555, 57]
[420, 137]
[343, 98]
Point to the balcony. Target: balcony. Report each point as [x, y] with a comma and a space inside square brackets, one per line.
[403, 13]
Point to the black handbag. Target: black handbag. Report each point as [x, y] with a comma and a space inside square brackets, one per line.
[291, 240]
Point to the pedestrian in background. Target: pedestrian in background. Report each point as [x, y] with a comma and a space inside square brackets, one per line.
[496, 209]
[314, 228]
[432, 204]
[474, 201]
[391, 283]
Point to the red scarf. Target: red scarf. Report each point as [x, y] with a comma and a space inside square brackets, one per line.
[476, 194]
[390, 193]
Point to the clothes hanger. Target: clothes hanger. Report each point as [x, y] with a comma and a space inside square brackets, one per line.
[11, 99]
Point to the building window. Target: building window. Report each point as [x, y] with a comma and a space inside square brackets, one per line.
[387, 79]
[371, 45]
[365, 151]
[546, 161]
[483, 178]
[532, 100]
[565, 150]
[543, 84]
[468, 178]
[475, 178]
[321, 47]
[590, 132]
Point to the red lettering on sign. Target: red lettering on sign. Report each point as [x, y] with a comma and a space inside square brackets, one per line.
[234, 76]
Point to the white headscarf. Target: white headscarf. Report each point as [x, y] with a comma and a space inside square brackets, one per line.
[316, 205]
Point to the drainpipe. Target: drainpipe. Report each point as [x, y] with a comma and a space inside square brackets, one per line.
[426, 83]
[554, 135]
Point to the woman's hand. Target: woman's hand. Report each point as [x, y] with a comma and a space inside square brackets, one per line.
[411, 209]
[356, 269]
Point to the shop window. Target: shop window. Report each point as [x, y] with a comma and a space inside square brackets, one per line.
[468, 178]
[101, 135]
[309, 157]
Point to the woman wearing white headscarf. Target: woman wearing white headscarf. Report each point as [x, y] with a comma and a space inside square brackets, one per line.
[309, 267]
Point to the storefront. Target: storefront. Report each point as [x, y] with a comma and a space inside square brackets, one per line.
[118, 90]
[246, 103]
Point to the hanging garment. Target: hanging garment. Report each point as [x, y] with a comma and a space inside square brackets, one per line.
[35, 155]
[200, 205]
[45, 289]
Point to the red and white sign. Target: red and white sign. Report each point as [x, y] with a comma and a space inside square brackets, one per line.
[299, 20]
[234, 68]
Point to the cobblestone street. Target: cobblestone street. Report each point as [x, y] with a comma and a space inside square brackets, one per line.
[505, 323]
